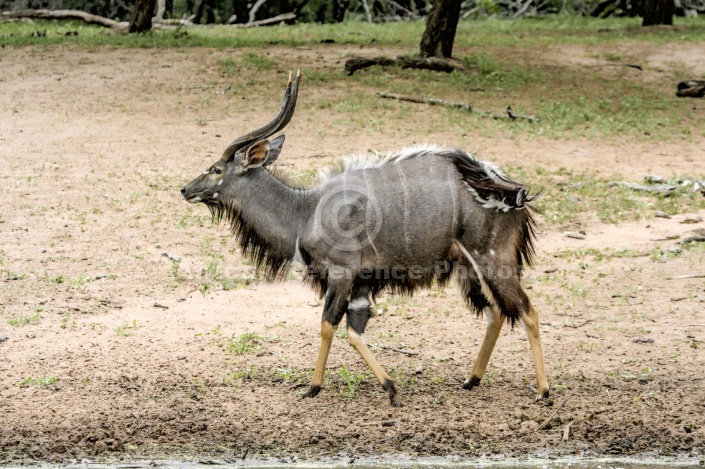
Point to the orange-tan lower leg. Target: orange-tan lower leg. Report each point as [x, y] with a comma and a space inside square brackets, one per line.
[531, 324]
[361, 347]
[494, 327]
[327, 333]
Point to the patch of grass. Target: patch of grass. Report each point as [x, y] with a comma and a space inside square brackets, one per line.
[250, 343]
[20, 321]
[293, 376]
[46, 382]
[567, 196]
[10, 275]
[232, 377]
[124, 329]
[504, 60]
[471, 33]
[352, 381]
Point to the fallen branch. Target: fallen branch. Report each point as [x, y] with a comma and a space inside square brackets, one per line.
[691, 89]
[692, 239]
[384, 423]
[577, 326]
[398, 350]
[253, 10]
[273, 20]
[456, 105]
[686, 276]
[431, 101]
[665, 189]
[63, 15]
[430, 63]
[566, 432]
[89, 18]
[552, 416]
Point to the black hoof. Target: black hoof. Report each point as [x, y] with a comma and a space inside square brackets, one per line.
[471, 382]
[394, 397]
[312, 392]
[542, 396]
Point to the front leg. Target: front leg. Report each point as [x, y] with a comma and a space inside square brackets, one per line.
[336, 305]
[327, 333]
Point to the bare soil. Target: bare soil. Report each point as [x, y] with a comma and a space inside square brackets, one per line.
[94, 146]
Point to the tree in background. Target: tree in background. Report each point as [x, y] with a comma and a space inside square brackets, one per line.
[141, 18]
[441, 24]
[658, 12]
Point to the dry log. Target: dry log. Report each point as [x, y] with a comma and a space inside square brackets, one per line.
[555, 412]
[161, 9]
[685, 276]
[63, 15]
[691, 89]
[253, 10]
[274, 20]
[457, 105]
[665, 189]
[170, 22]
[88, 18]
[398, 350]
[431, 101]
[430, 63]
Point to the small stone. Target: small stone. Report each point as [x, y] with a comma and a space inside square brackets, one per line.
[418, 370]
[660, 214]
[692, 219]
[574, 235]
[3, 338]
[642, 340]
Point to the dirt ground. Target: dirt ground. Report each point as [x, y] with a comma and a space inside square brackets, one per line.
[129, 354]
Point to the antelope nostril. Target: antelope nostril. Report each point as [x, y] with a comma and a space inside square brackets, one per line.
[183, 190]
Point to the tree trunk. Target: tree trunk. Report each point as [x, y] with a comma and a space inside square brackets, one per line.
[658, 12]
[441, 24]
[141, 18]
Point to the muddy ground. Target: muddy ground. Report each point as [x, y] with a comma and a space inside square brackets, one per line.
[115, 350]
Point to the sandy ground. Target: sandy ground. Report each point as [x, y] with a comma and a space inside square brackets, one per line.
[94, 146]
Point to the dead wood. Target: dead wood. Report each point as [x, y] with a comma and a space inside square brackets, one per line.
[273, 20]
[551, 417]
[691, 89]
[685, 276]
[457, 105]
[64, 15]
[577, 326]
[431, 63]
[398, 350]
[384, 423]
[431, 101]
[693, 239]
[665, 189]
[88, 18]
[253, 10]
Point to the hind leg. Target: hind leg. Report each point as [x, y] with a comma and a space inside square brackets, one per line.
[358, 314]
[531, 324]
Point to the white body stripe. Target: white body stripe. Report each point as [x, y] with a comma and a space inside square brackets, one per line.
[483, 284]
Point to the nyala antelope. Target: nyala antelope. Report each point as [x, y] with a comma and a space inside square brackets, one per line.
[391, 224]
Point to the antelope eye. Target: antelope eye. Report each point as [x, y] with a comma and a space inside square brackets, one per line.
[218, 170]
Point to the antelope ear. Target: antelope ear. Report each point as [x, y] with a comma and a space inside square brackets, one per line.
[263, 153]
